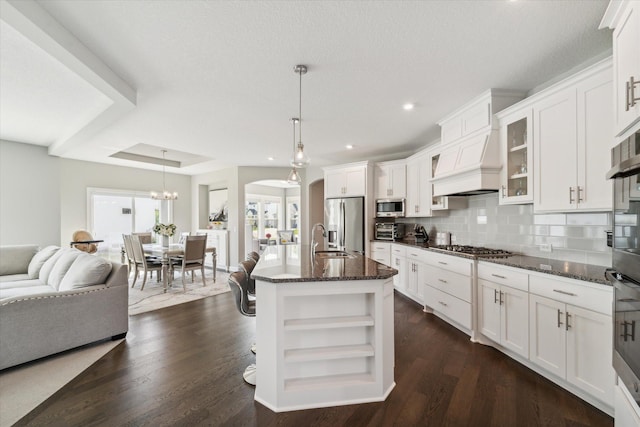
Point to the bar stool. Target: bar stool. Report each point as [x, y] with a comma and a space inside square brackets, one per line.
[238, 284]
[254, 256]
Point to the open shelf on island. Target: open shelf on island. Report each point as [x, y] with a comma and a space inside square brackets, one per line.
[328, 353]
[328, 323]
[335, 381]
[518, 148]
[518, 175]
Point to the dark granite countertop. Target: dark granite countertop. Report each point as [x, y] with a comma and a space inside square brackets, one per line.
[293, 263]
[572, 270]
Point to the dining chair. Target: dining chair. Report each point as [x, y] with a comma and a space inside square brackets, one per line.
[128, 252]
[145, 237]
[141, 261]
[193, 258]
[183, 237]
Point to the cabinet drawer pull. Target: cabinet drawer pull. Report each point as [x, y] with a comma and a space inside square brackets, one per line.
[630, 92]
[443, 263]
[498, 276]
[560, 313]
[442, 280]
[565, 293]
[626, 335]
[442, 303]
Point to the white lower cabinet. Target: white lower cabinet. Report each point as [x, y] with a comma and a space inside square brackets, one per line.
[381, 252]
[626, 410]
[218, 239]
[399, 262]
[447, 288]
[573, 344]
[503, 316]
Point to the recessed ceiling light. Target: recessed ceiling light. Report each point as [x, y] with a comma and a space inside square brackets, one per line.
[408, 106]
[270, 158]
[349, 147]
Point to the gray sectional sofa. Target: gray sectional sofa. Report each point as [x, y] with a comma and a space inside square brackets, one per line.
[54, 299]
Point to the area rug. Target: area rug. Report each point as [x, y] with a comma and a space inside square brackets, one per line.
[23, 388]
[153, 296]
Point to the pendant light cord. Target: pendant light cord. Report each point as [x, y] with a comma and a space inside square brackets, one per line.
[300, 106]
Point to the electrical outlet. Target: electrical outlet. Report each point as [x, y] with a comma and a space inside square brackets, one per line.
[545, 247]
[453, 239]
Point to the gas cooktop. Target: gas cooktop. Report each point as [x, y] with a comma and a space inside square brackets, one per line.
[476, 251]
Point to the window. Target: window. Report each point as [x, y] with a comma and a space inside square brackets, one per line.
[264, 215]
[113, 213]
[293, 216]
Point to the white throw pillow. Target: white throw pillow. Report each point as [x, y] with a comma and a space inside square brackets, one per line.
[48, 265]
[39, 259]
[62, 266]
[86, 270]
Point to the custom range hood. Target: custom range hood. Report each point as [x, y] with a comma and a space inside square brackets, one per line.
[471, 166]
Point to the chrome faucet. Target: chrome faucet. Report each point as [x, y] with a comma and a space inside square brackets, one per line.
[313, 237]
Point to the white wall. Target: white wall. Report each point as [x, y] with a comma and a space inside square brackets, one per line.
[43, 199]
[76, 176]
[29, 195]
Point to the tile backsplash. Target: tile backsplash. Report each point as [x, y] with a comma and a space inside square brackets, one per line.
[578, 237]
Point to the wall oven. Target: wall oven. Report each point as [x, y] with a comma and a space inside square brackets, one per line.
[386, 208]
[626, 262]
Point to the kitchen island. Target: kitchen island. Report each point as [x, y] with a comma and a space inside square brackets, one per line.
[324, 329]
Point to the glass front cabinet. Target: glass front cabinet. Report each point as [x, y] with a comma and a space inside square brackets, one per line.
[516, 185]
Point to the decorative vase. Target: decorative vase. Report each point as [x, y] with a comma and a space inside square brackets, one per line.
[165, 241]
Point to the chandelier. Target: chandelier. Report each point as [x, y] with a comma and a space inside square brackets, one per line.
[165, 195]
[300, 159]
[294, 176]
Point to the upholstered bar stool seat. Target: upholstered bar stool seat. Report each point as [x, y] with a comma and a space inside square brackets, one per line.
[238, 284]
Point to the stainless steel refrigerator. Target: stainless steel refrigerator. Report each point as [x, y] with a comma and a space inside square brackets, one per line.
[344, 221]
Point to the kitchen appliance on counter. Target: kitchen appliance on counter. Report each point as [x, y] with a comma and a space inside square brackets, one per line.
[475, 251]
[443, 238]
[390, 208]
[418, 236]
[344, 221]
[625, 159]
[389, 231]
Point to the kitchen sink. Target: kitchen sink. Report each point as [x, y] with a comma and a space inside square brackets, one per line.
[333, 254]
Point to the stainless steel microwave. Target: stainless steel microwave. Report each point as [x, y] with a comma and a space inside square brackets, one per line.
[390, 208]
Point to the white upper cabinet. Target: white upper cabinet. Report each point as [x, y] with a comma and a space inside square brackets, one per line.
[624, 18]
[391, 180]
[418, 186]
[572, 127]
[516, 136]
[345, 181]
[476, 115]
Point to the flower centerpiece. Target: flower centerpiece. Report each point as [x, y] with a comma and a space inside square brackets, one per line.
[166, 231]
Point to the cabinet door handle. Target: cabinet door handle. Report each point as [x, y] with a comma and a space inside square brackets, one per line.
[442, 280]
[566, 321]
[580, 199]
[571, 190]
[501, 300]
[498, 276]
[560, 313]
[495, 296]
[626, 335]
[630, 94]
[503, 191]
[565, 293]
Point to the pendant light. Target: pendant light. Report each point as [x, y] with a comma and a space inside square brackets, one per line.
[300, 159]
[166, 195]
[294, 176]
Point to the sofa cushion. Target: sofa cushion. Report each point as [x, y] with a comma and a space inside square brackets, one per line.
[61, 267]
[39, 259]
[14, 277]
[48, 265]
[26, 291]
[14, 259]
[20, 283]
[86, 270]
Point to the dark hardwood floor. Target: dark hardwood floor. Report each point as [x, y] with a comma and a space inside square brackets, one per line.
[183, 366]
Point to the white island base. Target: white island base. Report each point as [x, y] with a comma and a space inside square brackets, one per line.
[324, 343]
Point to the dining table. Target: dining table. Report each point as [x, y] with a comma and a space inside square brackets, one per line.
[174, 250]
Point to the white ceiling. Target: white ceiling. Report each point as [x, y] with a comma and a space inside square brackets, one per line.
[215, 78]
